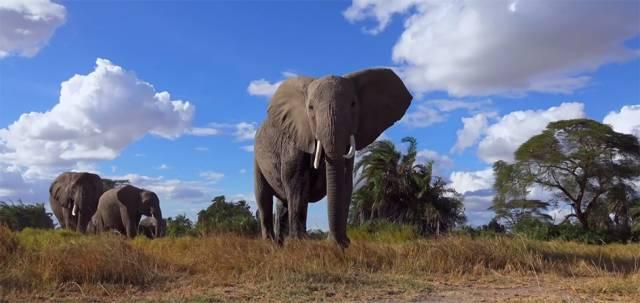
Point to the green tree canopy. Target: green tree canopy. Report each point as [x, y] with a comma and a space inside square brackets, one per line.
[227, 217]
[179, 226]
[18, 216]
[582, 161]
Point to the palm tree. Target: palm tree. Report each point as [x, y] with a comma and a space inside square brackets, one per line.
[392, 186]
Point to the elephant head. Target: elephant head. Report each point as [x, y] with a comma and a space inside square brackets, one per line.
[150, 207]
[79, 193]
[331, 118]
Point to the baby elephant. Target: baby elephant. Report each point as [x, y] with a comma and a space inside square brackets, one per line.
[121, 209]
[149, 225]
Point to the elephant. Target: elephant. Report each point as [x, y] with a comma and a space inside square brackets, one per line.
[305, 148]
[121, 209]
[74, 198]
[149, 226]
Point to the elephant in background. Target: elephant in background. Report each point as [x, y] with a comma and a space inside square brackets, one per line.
[149, 227]
[74, 198]
[121, 209]
[305, 148]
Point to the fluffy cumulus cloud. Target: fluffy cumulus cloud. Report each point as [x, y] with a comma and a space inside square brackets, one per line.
[504, 46]
[264, 88]
[26, 26]
[627, 120]
[472, 181]
[510, 131]
[473, 128]
[97, 116]
[212, 176]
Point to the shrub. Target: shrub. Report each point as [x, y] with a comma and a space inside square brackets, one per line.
[19, 216]
[180, 226]
[383, 231]
[227, 217]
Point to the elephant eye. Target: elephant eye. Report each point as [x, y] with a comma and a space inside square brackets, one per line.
[353, 103]
[310, 107]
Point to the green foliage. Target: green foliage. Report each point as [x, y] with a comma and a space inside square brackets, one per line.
[227, 217]
[383, 231]
[393, 187]
[585, 163]
[18, 216]
[179, 226]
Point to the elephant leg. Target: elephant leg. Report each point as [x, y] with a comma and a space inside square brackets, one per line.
[69, 220]
[281, 220]
[297, 217]
[264, 199]
[130, 226]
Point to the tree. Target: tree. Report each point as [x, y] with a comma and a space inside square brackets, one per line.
[392, 186]
[179, 226]
[510, 203]
[227, 217]
[581, 161]
[19, 216]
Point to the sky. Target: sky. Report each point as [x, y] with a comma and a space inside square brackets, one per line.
[169, 94]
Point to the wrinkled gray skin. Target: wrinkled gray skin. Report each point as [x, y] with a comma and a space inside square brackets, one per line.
[121, 209]
[148, 227]
[327, 110]
[79, 190]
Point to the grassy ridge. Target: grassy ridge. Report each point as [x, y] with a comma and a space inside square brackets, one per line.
[34, 260]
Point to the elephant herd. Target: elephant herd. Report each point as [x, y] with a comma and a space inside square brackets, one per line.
[80, 202]
[304, 151]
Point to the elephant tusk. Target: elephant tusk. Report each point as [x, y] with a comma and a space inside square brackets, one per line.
[316, 160]
[74, 211]
[352, 148]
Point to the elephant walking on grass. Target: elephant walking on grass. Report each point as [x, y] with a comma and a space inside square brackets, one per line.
[74, 198]
[305, 148]
[120, 209]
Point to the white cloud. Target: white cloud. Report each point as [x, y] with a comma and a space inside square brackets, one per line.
[203, 131]
[245, 131]
[627, 120]
[441, 163]
[431, 112]
[212, 176]
[172, 190]
[162, 167]
[243, 171]
[264, 88]
[472, 181]
[504, 46]
[202, 149]
[473, 128]
[505, 136]
[247, 148]
[423, 116]
[26, 26]
[97, 116]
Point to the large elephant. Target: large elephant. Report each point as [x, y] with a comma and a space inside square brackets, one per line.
[74, 197]
[149, 227]
[121, 208]
[305, 148]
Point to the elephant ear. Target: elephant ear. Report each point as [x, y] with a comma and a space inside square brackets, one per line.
[288, 109]
[128, 194]
[383, 100]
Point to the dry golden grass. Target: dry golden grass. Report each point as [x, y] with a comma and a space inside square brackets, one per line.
[37, 264]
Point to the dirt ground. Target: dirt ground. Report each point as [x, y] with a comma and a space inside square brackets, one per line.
[493, 288]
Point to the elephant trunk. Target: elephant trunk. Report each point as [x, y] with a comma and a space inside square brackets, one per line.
[156, 213]
[337, 199]
[82, 214]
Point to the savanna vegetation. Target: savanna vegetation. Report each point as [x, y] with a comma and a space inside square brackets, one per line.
[409, 241]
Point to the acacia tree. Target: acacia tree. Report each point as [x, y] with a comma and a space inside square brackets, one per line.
[581, 161]
[510, 203]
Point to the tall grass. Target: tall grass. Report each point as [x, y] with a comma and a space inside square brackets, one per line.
[35, 259]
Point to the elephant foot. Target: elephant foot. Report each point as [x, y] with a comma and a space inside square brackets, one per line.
[341, 242]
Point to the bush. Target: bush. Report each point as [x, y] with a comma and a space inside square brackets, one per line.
[383, 231]
[227, 217]
[180, 226]
[19, 216]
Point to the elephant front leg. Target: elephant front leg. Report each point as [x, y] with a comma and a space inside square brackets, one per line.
[281, 221]
[298, 214]
[264, 199]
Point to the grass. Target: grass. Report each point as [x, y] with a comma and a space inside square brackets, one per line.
[37, 264]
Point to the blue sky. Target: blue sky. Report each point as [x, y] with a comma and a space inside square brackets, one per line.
[485, 77]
